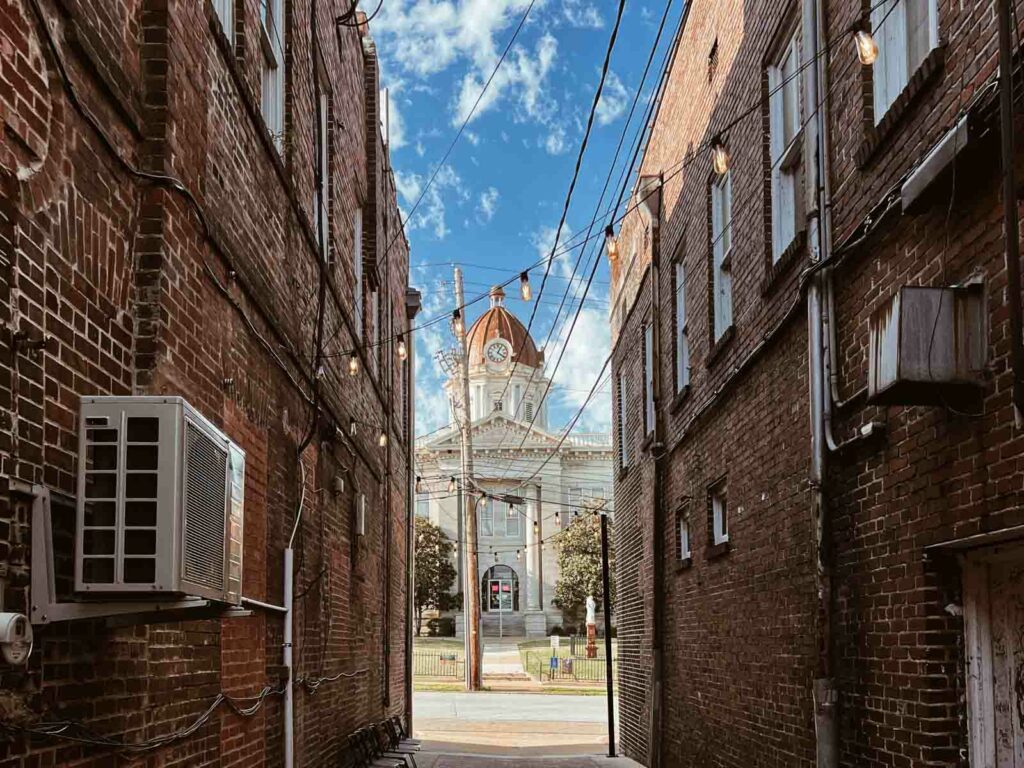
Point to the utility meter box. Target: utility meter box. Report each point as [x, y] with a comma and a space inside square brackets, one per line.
[928, 346]
[160, 502]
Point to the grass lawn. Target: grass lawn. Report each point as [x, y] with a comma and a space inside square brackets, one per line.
[444, 644]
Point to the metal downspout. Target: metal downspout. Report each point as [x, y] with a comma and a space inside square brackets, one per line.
[824, 689]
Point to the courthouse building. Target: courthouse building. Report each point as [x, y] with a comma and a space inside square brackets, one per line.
[517, 453]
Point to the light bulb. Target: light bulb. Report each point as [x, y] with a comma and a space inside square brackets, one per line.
[519, 555]
[419, 484]
[457, 322]
[558, 520]
[867, 48]
[719, 156]
[403, 352]
[451, 485]
[495, 557]
[353, 365]
[610, 243]
[352, 427]
[524, 286]
[536, 526]
[383, 439]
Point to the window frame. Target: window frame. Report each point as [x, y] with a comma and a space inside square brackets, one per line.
[893, 69]
[718, 500]
[272, 69]
[684, 537]
[487, 514]
[512, 514]
[785, 158]
[621, 422]
[721, 204]
[682, 338]
[648, 364]
[225, 10]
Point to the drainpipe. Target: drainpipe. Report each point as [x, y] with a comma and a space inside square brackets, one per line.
[412, 308]
[824, 688]
[649, 199]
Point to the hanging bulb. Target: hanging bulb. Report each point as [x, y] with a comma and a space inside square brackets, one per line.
[352, 427]
[610, 243]
[524, 286]
[519, 555]
[867, 47]
[383, 439]
[419, 484]
[353, 365]
[457, 322]
[495, 557]
[451, 485]
[719, 156]
[558, 520]
[536, 526]
[403, 351]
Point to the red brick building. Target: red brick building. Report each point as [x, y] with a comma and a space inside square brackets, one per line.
[196, 201]
[803, 548]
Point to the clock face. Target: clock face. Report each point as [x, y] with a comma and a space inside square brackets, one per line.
[497, 352]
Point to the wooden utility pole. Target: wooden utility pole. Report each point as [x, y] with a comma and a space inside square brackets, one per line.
[471, 589]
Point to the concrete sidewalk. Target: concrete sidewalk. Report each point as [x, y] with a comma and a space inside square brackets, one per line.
[427, 759]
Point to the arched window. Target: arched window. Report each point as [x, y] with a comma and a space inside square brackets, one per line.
[499, 589]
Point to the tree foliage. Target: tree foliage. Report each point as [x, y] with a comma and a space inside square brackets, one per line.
[435, 573]
[579, 566]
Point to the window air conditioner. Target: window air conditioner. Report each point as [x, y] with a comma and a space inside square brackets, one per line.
[160, 501]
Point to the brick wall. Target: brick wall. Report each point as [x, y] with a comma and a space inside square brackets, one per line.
[139, 288]
[739, 644]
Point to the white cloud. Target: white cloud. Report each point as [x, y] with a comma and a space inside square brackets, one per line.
[554, 142]
[581, 14]
[614, 97]
[431, 401]
[430, 214]
[395, 130]
[488, 204]
[584, 355]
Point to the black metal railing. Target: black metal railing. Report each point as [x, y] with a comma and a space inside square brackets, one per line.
[438, 665]
[575, 668]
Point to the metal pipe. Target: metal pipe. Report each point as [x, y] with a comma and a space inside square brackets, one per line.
[265, 606]
[605, 584]
[289, 691]
[1011, 221]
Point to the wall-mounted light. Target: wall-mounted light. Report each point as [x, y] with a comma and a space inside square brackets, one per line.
[451, 485]
[519, 555]
[419, 484]
[719, 156]
[457, 322]
[383, 439]
[351, 427]
[403, 351]
[524, 286]
[353, 365]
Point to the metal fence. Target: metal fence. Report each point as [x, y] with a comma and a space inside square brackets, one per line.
[438, 665]
[578, 645]
[575, 668]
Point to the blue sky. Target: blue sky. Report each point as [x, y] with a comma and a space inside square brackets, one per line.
[495, 205]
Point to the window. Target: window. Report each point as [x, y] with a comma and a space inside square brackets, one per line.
[906, 31]
[682, 340]
[648, 378]
[498, 406]
[323, 173]
[683, 528]
[272, 42]
[422, 505]
[784, 117]
[512, 524]
[517, 398]
[719, 515]
[721, 250]
[486, 518]
[226, 14]
[357, 266]
[620, 426]
[528, 411]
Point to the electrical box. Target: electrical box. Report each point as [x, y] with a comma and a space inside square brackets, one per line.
[160, 502]
[928, 346]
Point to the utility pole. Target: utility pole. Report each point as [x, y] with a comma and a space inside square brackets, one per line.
[471, 590]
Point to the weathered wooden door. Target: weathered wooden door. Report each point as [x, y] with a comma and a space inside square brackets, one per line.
[994, 627]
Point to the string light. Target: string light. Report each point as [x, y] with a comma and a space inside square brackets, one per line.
[719, 156]
[610, 243]
[419, 484]
[352, 427]
[536, 526]
[383, 439]
[524, 286]
[403, 351]
[867, 46]
[558, 519]
[353, 365]
[457, 322]
[519, 555]
[451, 485]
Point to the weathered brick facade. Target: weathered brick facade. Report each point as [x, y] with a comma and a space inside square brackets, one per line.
[739, 623]
[154, 240]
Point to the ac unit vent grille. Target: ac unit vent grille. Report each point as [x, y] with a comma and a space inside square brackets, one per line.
[205, 489]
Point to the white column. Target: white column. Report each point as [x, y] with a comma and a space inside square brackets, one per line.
[533, 574]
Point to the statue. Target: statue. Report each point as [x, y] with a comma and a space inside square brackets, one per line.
[591, 611]
[591, 628]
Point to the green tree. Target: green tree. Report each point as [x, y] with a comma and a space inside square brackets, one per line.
[579, 566]
[435, 573]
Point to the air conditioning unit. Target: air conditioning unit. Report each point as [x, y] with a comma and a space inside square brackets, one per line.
[160, 502]
[928, 346]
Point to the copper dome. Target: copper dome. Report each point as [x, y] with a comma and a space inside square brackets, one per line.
[498, 323]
